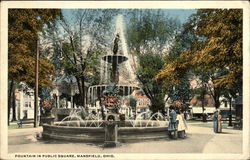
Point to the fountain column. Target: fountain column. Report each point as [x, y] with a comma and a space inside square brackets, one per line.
[111, 98]
[111, 136]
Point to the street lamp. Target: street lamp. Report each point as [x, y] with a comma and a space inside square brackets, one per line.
[230, 112]
[36, 86]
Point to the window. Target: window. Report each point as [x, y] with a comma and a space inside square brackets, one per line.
[26, 104]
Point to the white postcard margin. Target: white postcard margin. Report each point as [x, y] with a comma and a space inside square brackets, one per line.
[5, 5]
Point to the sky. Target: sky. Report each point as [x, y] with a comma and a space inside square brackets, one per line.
[181, 14]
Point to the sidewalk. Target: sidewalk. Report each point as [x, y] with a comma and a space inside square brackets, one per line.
[229, 141]
[200, 139]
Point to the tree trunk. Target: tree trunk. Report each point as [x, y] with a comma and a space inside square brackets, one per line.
[80, 91]
[216, 97]
[83, 91]
[204, 116]
[13, 105]
[217, 103]
[9, 100]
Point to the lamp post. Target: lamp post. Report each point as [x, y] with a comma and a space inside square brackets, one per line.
[230, 112]
[36, 86]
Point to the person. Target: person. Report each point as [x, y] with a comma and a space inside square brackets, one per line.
[219, 117]
[172, 127]
[181, 125]
[204, 115]
[215, 121]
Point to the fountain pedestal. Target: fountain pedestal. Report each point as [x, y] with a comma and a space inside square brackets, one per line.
[47, 120]
[112, 117]
[111, 130]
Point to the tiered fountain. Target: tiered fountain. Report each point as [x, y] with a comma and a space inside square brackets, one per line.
[110, 74]
[93, 128]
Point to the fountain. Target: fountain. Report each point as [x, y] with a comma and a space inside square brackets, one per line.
[110, 65]
[113, 128]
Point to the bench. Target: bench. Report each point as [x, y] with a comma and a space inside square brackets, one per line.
[238, 124]
[24, 121]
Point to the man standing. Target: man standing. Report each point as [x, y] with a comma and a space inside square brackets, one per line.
[215, 121]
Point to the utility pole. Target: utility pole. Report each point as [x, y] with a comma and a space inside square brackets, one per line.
[36, 86]
[230, 113]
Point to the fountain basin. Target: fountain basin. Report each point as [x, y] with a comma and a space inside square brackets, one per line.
[99, 123]
[96, 134]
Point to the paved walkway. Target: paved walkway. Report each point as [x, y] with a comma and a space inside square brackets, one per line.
[200, 139]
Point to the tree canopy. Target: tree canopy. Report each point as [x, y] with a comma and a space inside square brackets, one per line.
[150, 35]
[217, 47]
[151, 31]
[24, 26]
[149, 66]
[23, 31]
[77, 44]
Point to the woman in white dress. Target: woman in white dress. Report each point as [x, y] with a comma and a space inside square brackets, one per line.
[182, 125]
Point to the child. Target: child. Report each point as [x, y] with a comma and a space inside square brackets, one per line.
[181, 125]
[172, 127]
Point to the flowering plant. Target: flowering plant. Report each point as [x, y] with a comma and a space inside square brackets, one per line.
[47, 106]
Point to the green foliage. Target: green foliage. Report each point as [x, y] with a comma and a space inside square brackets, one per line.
[149, 66]
[132, 102]
[111, 89]
[83, 44]
[149, 30]
[180, 91]
[215, 53]
[218, 45]
[93, 68]
[78, 44]
[150, 33]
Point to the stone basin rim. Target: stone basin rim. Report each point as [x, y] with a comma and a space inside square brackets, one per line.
[93, 128]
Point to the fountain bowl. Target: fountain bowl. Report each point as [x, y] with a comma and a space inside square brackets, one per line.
[128, 131]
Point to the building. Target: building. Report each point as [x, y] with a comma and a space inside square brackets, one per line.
[24, 100]
[142, 101]
[209, 106]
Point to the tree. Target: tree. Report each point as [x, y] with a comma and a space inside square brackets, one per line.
[149, 66]
[85, 37]
[231, 94]
[179, 91]
[24, 26]
[23, 31]
[150, 34]
[217, 49]
[151, 31]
